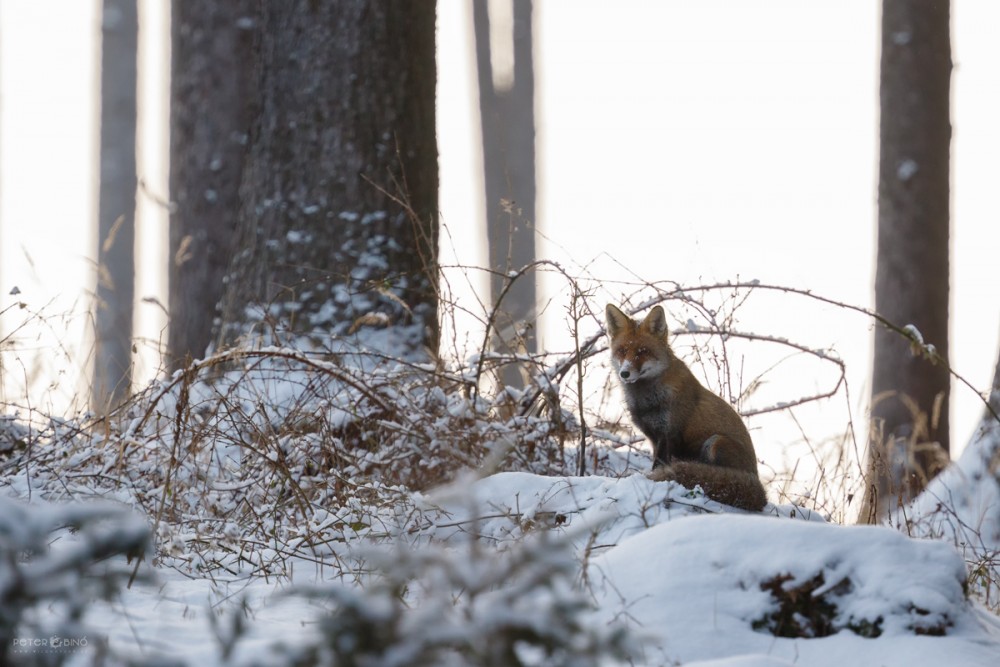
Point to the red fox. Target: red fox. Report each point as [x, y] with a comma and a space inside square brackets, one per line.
[698, 439]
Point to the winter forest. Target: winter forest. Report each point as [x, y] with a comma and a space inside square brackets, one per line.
[305, 354]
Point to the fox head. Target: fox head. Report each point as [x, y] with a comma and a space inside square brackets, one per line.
[639, 350]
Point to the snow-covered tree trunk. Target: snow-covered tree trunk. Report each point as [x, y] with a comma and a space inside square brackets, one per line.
[506, 102]
[338, 221]
[116, 208]
[213, 96]
[909, 442]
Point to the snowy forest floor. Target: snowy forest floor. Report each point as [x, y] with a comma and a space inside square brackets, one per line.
[316, 504]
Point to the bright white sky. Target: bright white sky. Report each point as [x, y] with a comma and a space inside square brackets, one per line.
[691, 142]
[710, 141]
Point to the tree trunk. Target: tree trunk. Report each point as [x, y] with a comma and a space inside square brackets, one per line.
[213, 96]
[993, 402]
[116, 207]
[337, 226]
[909, 410]
[506, 103]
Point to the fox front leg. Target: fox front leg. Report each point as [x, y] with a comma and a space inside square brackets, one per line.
[662, 453]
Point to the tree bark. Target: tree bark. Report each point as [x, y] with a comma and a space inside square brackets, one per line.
[992, 409]
[116, 207]
[213, 98]
[338, 222]
[508, 129]
[910, 392]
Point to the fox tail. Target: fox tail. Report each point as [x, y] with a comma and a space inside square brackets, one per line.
[731, 486]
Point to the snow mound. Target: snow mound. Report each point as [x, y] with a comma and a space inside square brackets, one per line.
[586, 569]
[505, 506]
[715, 587]
[962, 506]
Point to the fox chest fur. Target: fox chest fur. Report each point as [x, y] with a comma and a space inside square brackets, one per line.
[656, 410]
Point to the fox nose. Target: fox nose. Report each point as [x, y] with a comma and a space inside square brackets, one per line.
[625, 373]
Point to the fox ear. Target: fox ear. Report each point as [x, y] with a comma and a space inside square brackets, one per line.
[617, 320]
[655, 322]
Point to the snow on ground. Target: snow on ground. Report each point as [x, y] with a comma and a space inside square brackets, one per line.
[673, 569]
[679, 571]
[277, 528]
[695, 585]
[962, 506]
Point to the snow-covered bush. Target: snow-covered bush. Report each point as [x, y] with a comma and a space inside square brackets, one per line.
[463, 604]
[62, 558]
[290, 446]
[254, 456]
[320, 460]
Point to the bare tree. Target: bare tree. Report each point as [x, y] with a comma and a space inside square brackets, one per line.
[116, 208]
[337, 228]
[910, 386]
[506, 101]
[213, 96]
